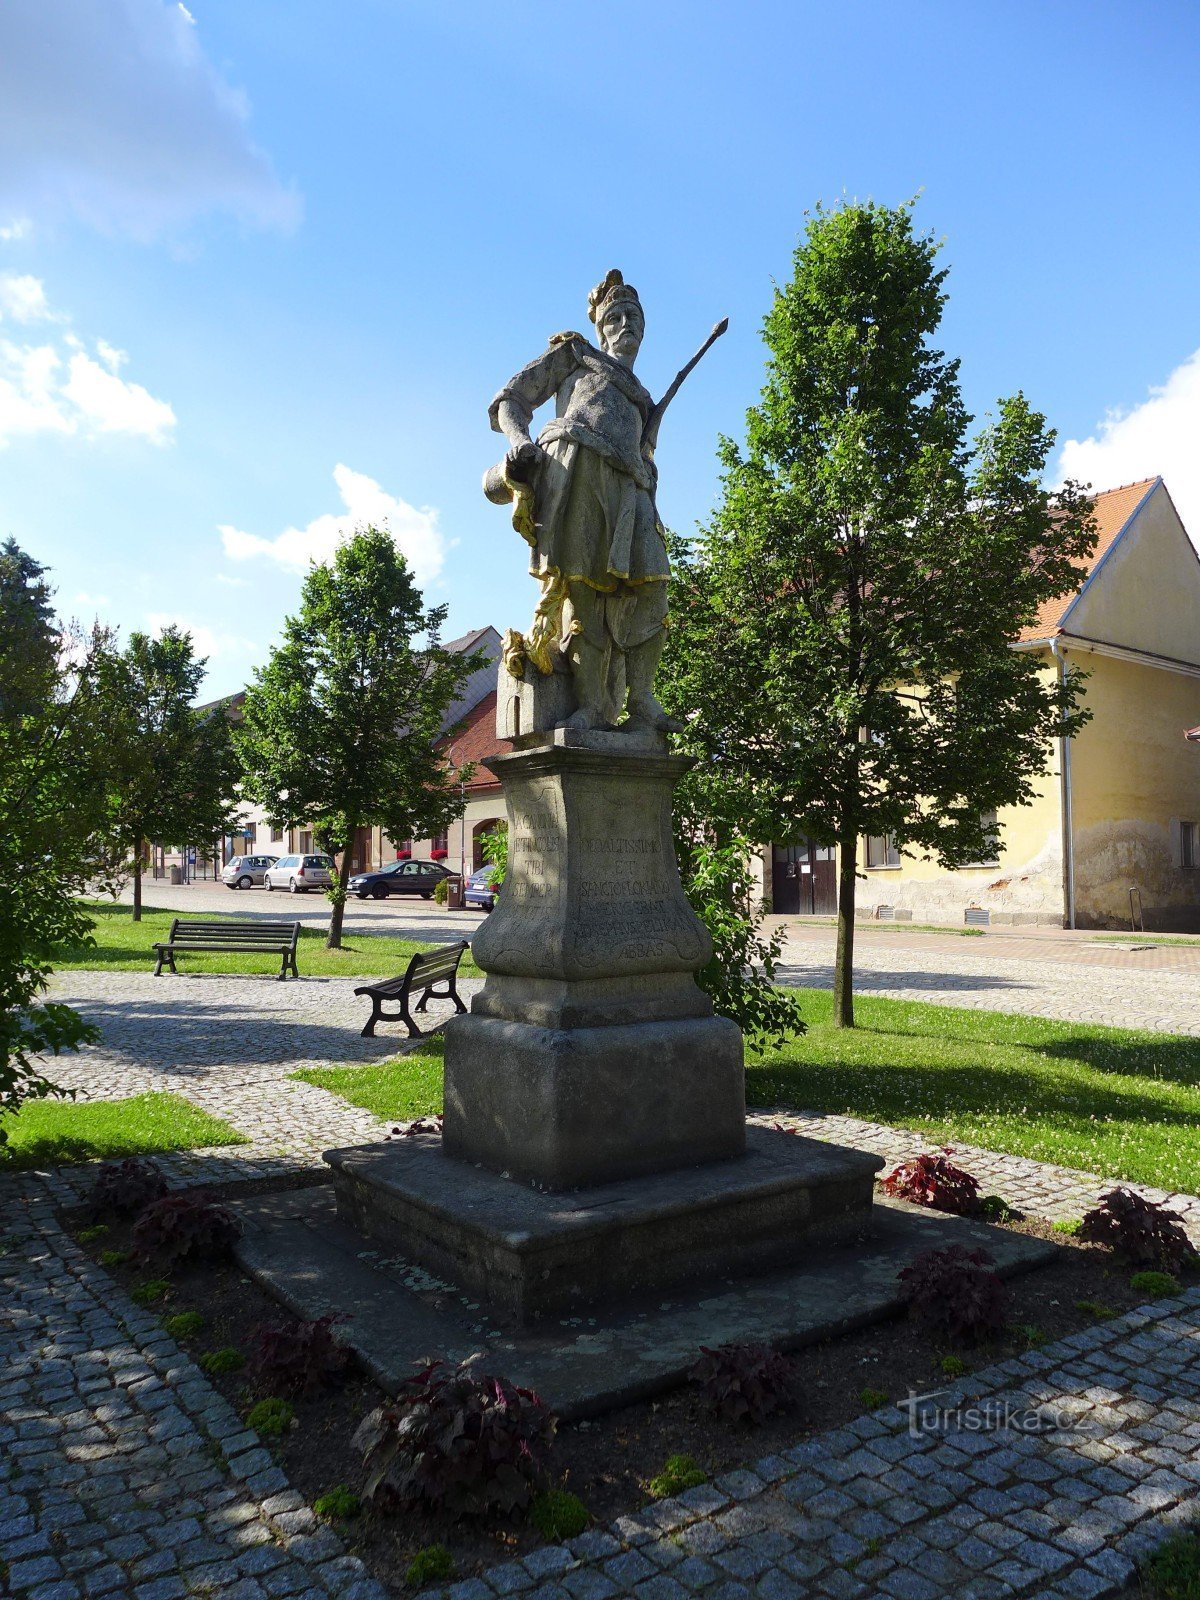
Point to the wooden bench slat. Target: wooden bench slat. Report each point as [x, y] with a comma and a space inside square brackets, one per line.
[423, 973]
[230, 936]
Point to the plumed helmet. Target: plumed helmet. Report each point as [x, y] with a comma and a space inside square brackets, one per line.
[606, 294]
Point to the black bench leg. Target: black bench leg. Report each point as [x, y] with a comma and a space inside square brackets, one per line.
[376, 1012]
[413, 1031]
[158, 968]
[458, 1005]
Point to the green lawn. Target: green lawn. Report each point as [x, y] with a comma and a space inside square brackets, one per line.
[48, 1133]
[1117, 1102]
[407, 1087]
[123, 945]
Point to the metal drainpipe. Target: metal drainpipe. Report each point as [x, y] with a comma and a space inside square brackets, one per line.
[1067, 804]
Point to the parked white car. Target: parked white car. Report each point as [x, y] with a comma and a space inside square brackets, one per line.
[242, 872]
[299, 874]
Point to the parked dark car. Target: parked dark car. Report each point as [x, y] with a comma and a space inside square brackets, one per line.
[481, 890]
[402, 877]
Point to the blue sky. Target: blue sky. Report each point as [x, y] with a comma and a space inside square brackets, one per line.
[262, 266]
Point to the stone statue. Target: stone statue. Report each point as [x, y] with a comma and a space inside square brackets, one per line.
[583, 496]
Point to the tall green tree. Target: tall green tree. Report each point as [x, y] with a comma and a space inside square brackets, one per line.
[52, 738]
[846, 620]
[172, 767]
[339, 728]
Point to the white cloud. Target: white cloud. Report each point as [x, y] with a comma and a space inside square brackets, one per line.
[1157, 438]
[58, 387]
[23, 298]
[114, 114]
[414, 529]
[91, 602]
[207, 643]
[19, 228]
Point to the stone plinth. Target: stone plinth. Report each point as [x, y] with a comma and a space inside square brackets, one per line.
[590, 1054]
[531, 1255]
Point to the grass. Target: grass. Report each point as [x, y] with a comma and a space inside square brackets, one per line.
[1113, 1101]
[406, 1087]
[49, 1133]
[123, 945]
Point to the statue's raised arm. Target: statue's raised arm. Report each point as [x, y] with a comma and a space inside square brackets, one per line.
[583, 498]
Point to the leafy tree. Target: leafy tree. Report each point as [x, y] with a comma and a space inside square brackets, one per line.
[846, 620]
[51, 742]
[340, 727]
[173, 770]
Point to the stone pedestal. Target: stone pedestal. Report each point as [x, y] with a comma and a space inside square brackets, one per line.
[594, 1146]
[591, 1055]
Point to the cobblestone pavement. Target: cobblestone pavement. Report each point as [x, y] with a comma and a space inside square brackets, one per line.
[1038, 1188]
[990, 980]
[230, 1044]
[124, 1474]
[950, 1514]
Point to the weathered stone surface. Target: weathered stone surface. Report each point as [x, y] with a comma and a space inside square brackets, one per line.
[588, 1363]
[592, 890]
[532, 1255]
[591, 1055]
[579, 1106]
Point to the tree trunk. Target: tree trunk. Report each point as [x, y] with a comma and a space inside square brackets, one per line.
[843, 974]
[334, 941]
[137, 880]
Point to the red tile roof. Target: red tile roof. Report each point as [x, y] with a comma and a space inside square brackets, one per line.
[477, 740]
[1114, 507]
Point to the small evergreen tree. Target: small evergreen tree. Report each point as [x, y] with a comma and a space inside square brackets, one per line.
[340, 727]
[846, 621]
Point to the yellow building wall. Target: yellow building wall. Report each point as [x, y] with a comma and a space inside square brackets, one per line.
[1134, 779]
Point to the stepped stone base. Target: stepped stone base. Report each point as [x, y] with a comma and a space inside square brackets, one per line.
[528, 1254]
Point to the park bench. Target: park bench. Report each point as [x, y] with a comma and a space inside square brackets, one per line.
[231, 934]
[422, 973]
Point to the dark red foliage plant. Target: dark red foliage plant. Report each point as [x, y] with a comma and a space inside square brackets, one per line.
[747, 1382]
[934, 1181]
[183, 1227]
[955, 1292]
[123, 1188]
[459, 1440]
[298, 1358]
[1143, 1232]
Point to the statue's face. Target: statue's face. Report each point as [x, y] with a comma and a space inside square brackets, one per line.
[621, 331]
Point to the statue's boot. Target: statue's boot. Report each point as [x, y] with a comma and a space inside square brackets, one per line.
[588, 667]
[644, 707]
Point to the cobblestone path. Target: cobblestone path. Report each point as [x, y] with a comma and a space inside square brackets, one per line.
[1038, 1188]
[1164, 1001]
[123, 1473]
[230, 1044]
[125, 1476]
[950, 1514]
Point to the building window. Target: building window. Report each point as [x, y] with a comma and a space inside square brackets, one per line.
[881, 852]
[1187, 844]
[991, 855]
[276, 833]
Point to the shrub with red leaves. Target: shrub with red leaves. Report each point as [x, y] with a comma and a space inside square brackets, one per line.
[747, 1381]
[934, 1181]
[123, 1188]
[955, 1292]
[298, 1358]
[456, 1440]
[1143, 1232]
[183, 1226]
